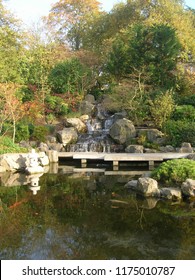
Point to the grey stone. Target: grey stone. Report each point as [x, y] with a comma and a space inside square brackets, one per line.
[167, 149]
[76, 123]
[171, 193]
[86, 108]
[131, 185]
[122, 131]
[90, 98]
[186, 148]
[188, 187]
[67, 136]
[135, 149]
[152, 135]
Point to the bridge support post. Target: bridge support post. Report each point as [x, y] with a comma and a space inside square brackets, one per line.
[151, 164]
[83, 163]
[115, 165]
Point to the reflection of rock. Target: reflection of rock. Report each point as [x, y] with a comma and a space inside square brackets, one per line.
[10, 179]
[149, 203]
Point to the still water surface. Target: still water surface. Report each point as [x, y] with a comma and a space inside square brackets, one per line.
[90, 215]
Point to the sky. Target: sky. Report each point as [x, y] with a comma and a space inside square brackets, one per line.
[30, 11]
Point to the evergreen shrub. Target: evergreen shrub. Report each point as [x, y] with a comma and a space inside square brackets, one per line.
[174, 171]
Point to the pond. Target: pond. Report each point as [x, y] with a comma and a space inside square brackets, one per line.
[87, 214]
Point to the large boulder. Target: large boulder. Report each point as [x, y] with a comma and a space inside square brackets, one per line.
[90, 98]
[76, 123]
[185, 148]
[188, 187]
[152, 135]
[122, 131]
[144, 186]
[147, 187]
[67, 136]
[86, 108]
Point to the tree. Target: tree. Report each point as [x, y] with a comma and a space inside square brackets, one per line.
[10, 46]
[147, 54]
[11, 105]
[72, 18]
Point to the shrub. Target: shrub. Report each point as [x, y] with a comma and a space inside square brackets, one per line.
[162, 107]
[184, 112]
[7, 146]
[22, 132]
[40, 133]
[179, 131]
[175, 171]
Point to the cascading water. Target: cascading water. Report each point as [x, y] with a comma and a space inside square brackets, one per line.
[97, 138]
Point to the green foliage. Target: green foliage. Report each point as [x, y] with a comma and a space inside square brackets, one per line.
[175, 171]
[150, 51]
[187, 100]
[162, 107]
[40, 133]
[56, 104]
[22, 132]
[7, 146]
[184, 112]
[69, 76]
[179, 131]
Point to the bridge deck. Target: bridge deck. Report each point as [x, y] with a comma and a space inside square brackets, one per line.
[121, 157]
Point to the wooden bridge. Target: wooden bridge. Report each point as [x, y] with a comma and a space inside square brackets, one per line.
[117, 158]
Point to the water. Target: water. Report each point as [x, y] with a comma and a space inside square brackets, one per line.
[87, 214]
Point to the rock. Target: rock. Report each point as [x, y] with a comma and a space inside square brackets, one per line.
[25, 144]
[53, 156]
[43, 147]
[147, 187]
[84, 118]
[191, 156]
[86, 108]
[90, 98]
[67, 136]
[144, 186]
[43, 159]
[76, 123]
[51, 139]
[135, 149]
[167, 149]
[2, 169]
[171, 193]
[150, 151]
[122, 131]
[56, 147]
[186, 148]
[188, 188]
[152, 135]
[131, 185]
[13, 162]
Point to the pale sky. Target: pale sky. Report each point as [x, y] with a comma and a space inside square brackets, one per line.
[30, 11]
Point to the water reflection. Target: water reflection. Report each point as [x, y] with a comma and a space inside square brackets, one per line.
[88, 214]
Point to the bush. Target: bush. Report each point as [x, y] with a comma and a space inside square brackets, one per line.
[184, 112]
[7, 146]
[187, 100]
[40, 133]
[175, 171]
[179, 131]
[22, 132]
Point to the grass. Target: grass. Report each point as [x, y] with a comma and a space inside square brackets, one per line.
[7, 146]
